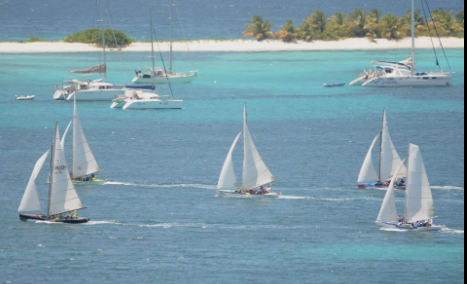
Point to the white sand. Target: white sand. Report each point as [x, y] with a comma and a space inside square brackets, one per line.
[235, 45]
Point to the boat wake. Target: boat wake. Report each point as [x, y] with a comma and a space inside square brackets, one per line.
[163, 185]
[393, 230]
[328, 199]
[102, 223]
[452, 231]
[447, 187]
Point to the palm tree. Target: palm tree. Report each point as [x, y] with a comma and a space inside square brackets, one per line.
[445, 22]
[338, 24]
[288, 32]
[359, 22]
[318, 20]
[376, 15]
[313, 27]
[460, 18]
[259, 29]
[420, 24]
[392, 27]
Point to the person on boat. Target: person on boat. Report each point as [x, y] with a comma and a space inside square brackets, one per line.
[239, 190]
[402, 182]
[75, 214]
[56, 217]
[93, 176]
[401, 219]
[416, 224]
[268, 189]
[258, 190]
[379, 183]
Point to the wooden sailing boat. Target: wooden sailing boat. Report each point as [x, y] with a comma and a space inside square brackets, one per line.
[418, 198]
[388, 162]
[255, 172]
[63, 197]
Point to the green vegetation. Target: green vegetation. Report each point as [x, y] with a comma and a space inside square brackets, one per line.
[359, 23]
[34, 39]
[95, 36]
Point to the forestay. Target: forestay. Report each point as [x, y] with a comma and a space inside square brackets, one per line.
[100, 69]
[84, 162]
[368, 173]
[227, 178]
[63, 196]
[30, 201]
[388, 212]
[255, 171]
[389, 157]
[419, 199]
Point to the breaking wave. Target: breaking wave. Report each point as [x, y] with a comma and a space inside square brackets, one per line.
[447, 187]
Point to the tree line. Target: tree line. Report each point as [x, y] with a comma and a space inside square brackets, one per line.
[360, 24]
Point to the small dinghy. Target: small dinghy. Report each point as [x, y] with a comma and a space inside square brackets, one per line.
[419, 208]
[63, 200]
[25, 98]
[255, 172]
[334, 85]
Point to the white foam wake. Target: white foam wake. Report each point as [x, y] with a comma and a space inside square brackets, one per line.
[393, 230]
[452, 231]
[447, 187]
[162, 185]
[102, 223]
[327, 199]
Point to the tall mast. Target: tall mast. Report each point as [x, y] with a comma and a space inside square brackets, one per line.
[413, 37]
[75, 115]
[152, 50]
[381, 144]
[51, 173]
[103, 41]
[407, 188]
[171, 35]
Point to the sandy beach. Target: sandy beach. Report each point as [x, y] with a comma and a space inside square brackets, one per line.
[234, 45]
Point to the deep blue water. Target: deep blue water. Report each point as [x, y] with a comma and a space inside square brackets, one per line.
[158, 220]
[201, 19]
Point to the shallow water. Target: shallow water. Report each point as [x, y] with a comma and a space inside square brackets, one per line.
[158, 219]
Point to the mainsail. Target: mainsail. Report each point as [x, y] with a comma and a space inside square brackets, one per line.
[389, 159]
[255, 171]
[84, 162]
[388, 212]
[62, 195]
[30, 201]
[227, 178]
[419, 199]
[100, 69]
[368, 173]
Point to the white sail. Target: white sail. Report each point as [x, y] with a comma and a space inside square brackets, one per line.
[30, 201]
[84, 162]
[388, 212]
[368, 173]
[62, 196]
[389, 157]
[255, 171]
[227, 178]
[418, 200]
[62, 143]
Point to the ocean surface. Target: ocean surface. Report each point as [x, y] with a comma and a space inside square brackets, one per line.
[200, 19]
[158, 219]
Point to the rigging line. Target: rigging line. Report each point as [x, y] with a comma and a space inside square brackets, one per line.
[439, 38]
[184, 36]
[429, 31]
[163, 63]
[116, 44]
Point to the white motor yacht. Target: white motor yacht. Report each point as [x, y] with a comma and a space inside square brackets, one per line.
[139, 99]
[158, 75]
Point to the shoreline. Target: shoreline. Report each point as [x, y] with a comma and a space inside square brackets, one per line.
[236, 45]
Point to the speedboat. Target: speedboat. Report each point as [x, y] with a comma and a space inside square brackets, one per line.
[389, 159]
[334, 85]
[419, 207]
[255, 172]
[25, 98]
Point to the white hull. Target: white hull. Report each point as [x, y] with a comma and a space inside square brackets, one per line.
[96, 95]
[233, 193]
[25, 98]
[417, 81]
[358, 82]
[162, 80]
[148, 104]
[409, 227]
[60, 95]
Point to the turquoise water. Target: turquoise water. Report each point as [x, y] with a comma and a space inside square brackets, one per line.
[158, 220]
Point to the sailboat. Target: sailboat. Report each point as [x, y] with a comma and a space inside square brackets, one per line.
[388, 162]
[63, 197]
[395, 76]
[135, 99]
[91, 90]
[255, 172]
[159, 75]
[419, 207]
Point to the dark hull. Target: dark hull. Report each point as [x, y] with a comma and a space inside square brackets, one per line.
[25, 217]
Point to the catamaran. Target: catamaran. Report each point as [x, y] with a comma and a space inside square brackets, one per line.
[255, 172]
[395, 75]
[91, 90]
[419, 207]
[135, 99]
[63, 197]
[159, 75]
[388, 162]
